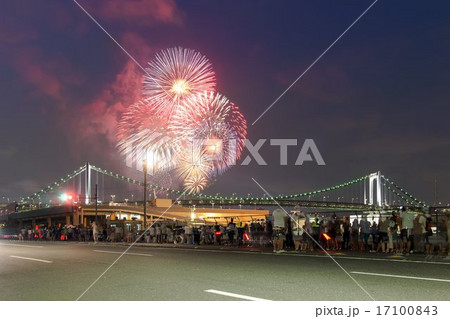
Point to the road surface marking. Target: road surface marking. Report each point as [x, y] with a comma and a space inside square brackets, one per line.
[398, 276]
[120, 252]
[33, 259]
[22, 245]
[229, 294]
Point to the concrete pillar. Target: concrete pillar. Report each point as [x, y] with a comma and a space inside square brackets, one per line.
[49, 222]
[67, 220]
[75, 219]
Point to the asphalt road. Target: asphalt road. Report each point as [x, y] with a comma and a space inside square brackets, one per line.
[68, 271]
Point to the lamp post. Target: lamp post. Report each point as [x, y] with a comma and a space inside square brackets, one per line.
[96, 203]
[145, 194]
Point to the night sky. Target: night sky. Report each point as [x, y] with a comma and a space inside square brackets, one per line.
[377, 100]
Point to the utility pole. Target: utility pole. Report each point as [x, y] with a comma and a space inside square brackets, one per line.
[435, 190]
[435, 204]
[145, 195]
[96, 203]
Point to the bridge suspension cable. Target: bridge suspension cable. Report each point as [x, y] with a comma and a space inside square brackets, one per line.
[387, 183]
[51, 187]
[410, 199]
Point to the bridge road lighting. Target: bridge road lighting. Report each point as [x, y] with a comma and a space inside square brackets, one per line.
[112, 198]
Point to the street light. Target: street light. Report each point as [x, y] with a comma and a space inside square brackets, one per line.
[145, 194]
[112, 198]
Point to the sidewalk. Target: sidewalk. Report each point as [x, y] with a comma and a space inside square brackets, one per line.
[269, 250]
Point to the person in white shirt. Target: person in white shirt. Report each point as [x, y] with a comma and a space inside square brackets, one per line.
[95, 232]
[407, 232]
[152, 234]
[188, 233]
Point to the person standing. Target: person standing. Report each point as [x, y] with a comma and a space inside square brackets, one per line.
[279, 230]
[231, 229]
[383, 233]
[95, 231]
[408, 229]
[297, 231]
[419, 232]
[355, 234]
[240, 233]
[346, 234]
[365, 230]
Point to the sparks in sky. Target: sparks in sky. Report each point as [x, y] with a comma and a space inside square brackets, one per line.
[216, 124]
[146, 136]
[182, 124]
[173, 75]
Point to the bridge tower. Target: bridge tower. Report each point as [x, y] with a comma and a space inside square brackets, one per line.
[375, 190]
[87, 183]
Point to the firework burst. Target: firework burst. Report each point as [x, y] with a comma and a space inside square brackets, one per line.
[175, 74]
[209, 121]
[182, 125]
[194, 168]
[146, 136]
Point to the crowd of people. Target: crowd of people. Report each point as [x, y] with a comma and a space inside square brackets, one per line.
[402, 232]
[59, 232]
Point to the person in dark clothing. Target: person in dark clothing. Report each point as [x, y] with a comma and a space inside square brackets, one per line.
[346, 234]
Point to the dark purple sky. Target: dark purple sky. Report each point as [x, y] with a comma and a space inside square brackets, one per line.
[378, 100]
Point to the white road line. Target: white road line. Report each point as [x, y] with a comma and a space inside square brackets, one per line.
[229, 294]
[33, 259]
[398, 276]
[22, 245]
[120, 252]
